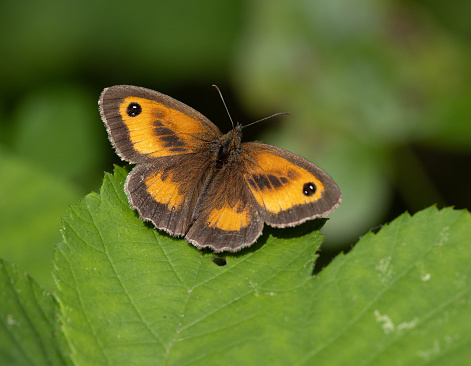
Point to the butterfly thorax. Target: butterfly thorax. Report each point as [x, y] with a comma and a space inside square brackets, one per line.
[228, 147]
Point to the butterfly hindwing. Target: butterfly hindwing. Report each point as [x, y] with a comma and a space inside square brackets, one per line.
[144, 124]
[165, 191]
[227, 215]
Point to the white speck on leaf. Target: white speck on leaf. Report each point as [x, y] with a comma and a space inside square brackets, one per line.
[254, 286]
[387, 323]
[407, 325]
[11, 320]
[444, 236]
[431, 353]
[426, 277]
[385, 269]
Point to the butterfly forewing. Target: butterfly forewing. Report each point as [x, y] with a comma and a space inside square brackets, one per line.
[287, 188]
[143, 124]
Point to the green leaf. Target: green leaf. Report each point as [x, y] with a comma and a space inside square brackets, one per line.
[129, 294]
[401, 296]
[28, 326]
[132, 295]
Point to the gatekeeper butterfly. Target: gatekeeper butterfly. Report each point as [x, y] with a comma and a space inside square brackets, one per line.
[191, 180]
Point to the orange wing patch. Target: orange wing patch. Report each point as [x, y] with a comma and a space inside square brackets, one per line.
[278, 185]
[229, 218]
[157, 130]
[163, 190]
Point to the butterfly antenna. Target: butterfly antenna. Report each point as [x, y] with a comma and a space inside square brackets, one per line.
[225, 106]
[273, 115]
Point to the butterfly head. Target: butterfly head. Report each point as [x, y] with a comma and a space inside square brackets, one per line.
[233, 138]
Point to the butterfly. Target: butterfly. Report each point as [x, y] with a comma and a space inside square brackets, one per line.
[191, 180]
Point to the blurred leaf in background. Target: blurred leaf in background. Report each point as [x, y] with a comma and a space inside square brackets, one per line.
[378, 94]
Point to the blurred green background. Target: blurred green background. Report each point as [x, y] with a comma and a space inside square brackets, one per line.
[379, 94]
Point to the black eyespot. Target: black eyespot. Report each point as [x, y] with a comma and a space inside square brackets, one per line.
[219, 261]
[134, 109]
[309, 189]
